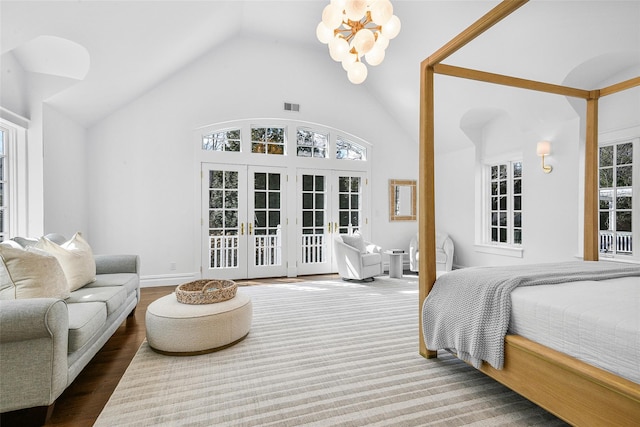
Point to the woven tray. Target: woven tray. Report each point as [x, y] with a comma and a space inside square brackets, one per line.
[206, 291]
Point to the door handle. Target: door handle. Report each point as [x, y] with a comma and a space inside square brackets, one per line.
[250, 228]
[329, 228]
[242, 228]
[335, 227]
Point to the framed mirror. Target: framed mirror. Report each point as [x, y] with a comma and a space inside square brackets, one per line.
[402, 199]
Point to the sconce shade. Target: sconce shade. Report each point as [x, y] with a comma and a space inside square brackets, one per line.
[543, 148]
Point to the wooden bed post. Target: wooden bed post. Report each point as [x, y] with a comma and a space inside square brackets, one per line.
[427, 223]
[591, 228]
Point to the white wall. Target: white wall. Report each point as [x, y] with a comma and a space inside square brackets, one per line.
[65, 185]
[550, 201]
[140, 161]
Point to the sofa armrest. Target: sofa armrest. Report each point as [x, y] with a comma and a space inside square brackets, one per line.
[34, 336]
[110, 264]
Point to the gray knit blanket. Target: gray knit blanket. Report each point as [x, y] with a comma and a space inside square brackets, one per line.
[468, 310]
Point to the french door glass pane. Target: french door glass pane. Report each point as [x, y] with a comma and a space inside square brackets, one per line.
[314, 241]
[223, 219]
[267, 219]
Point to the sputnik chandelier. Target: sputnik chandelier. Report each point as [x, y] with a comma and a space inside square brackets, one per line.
[354, 29]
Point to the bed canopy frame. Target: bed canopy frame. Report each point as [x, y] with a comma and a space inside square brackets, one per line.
[542, 375]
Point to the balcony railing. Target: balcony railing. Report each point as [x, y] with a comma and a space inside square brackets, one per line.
[616, 243]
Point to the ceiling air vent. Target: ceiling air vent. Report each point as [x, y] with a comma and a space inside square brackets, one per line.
[291, 107]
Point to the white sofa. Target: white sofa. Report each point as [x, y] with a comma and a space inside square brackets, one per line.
[444, 252]
[45, 342]
[356, 258]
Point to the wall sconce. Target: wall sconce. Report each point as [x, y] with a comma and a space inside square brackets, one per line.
[543, 149]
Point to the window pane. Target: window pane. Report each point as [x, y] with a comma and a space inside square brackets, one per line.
[503, 187]
[517, 219]
[349, 150]
[623, 176]
[215, 179]
[606, 156]
[606, 197]
[494, 188]
[604, 221]
[623, 221]
[260, 218]
[319, 183]
[307, 219]
[343, 184]
[274, 200]
[231, 199]
[517, 203]
[231, 219]
[623, 199]
[624, 155]
[319, 218]
[503, 171]
[304, 151]
[274, 218]
[503, 219]
[606, 178]
[503, 203]
[517, 186]
[517, 170]
[307, 201]
[503, 235]
[319, 201]
[517, 237]
[307, 182]
[260, 181]
[344, 201]
[274, 181]
[215, 199]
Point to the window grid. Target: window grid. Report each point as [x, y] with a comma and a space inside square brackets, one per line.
[615, 198]
[311, 144]
[222, 141]
[268, 140]
[505, 203]
[349, 150]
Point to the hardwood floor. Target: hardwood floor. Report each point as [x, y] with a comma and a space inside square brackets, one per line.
[84, 399]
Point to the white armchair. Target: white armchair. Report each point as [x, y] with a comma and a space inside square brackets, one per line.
[356, 258]
[444, 252]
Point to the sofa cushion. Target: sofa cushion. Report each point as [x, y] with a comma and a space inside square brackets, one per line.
[85, 320]
[31, 273]
[129, 281]
[75, 257]
[355, 241]
[371, 259]
[441, 256]
[112, 296]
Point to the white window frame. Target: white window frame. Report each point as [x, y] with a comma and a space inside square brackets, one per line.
[635, 206]
[16, 179]
[484, 244]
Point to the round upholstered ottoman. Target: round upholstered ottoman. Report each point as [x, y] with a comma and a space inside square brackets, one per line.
[179, 329]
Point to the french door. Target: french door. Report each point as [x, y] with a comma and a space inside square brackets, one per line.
[243, 217]
[329, 203]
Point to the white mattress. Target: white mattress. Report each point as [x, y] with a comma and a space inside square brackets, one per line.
[596, 322]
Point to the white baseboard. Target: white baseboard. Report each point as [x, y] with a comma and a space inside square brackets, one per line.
[166, 279]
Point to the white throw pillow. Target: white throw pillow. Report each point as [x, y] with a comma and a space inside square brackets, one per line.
[355, 241]
[32, 273]
[75, 257]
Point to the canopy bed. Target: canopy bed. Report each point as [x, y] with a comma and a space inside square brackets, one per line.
[545, 376]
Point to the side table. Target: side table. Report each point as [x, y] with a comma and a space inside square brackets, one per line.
[395, 262]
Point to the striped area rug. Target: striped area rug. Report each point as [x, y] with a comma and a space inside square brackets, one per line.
[322, 353]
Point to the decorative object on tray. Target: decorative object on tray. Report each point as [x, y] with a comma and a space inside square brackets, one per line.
[206, 291]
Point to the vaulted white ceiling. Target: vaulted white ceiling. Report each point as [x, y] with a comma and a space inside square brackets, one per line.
[135, 45]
